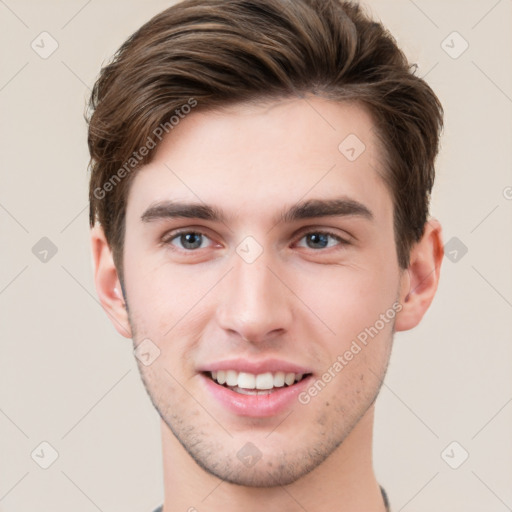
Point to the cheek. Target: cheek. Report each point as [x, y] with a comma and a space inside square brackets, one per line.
[160, 296]
[169, 306]
[349, 299]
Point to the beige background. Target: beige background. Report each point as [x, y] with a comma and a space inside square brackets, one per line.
[67, 377]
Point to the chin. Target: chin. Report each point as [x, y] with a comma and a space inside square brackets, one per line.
[262, 475]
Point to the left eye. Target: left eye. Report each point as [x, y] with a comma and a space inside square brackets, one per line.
[189, 240]
[321, 240]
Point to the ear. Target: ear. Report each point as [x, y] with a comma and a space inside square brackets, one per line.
[421, 278]
[107, 282]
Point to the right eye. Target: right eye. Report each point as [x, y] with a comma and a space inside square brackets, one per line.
[188, 240]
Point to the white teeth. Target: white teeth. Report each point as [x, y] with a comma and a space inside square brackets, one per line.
[246, 380]
[261, 381]
[289, 378]
[279, 379]
[231, 378]
[264, 381]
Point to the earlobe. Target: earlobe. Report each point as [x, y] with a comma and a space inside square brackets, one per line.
[107, 282]
[420, 281]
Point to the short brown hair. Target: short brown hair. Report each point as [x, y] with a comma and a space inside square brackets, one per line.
[211, 53]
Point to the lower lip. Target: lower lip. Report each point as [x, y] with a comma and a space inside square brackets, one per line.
[256, 406]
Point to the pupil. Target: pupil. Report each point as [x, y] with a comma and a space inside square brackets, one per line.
[319, 239]
[191, 240]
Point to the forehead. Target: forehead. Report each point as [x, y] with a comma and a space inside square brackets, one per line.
[250, 156]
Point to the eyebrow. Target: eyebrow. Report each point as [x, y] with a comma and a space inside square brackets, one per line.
[303, 210]
[172, 209]
[326, 208]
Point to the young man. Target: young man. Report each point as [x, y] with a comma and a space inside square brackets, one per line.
[261, 174]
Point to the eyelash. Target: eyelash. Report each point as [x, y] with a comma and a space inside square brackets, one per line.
[169, 237]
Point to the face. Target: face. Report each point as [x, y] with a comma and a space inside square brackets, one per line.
[260, 262]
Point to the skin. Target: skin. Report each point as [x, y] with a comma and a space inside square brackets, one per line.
[298, 301]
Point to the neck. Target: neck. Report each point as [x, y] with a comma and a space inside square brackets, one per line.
[344, 482]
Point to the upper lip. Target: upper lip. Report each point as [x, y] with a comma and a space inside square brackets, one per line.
[255, 367]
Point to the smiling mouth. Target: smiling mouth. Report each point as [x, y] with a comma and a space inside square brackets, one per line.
[255, 384]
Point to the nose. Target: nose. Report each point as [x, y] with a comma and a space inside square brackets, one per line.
[255, 304]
